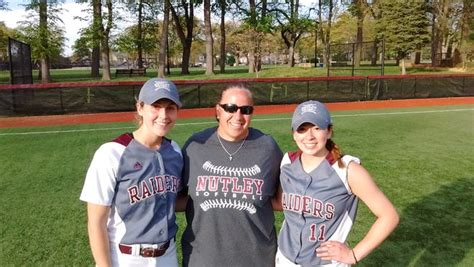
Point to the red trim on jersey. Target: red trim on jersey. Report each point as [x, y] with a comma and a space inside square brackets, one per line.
[330, 158]
[124, 139]
[293, 155]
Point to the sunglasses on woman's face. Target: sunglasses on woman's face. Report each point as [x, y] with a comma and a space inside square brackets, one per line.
[232, 108]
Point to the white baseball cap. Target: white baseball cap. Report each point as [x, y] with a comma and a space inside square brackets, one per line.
[157, 88]
[313, 112]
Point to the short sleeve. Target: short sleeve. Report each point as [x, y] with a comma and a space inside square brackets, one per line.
[342, 172]
[177, 149]
[100, 181]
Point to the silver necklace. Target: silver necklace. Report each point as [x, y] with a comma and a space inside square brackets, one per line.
[223, 147]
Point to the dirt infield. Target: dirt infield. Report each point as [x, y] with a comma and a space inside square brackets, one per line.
[15, 122]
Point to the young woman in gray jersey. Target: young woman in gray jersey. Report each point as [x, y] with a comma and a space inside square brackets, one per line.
[320, 190]
[231, 173]
[131, 186]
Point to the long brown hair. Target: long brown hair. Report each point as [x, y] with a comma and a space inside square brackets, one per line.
[335, 151]
[138, 118]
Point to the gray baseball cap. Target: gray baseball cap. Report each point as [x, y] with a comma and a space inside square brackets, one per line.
[313, 112]
[157, 88]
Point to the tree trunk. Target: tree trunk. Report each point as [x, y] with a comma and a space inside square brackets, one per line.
[45, 76]
[258, 57]
[253, 22]
[449, 49]
[186, 55]
[223, 38]
[105, 43]
[186, 39]
[359, 37]
[256, 36]
[140, 35]
[251, 61]
[106, 61]
[43, 27]
[291, 55]
[417, 57]
[375, 52]
[326, 36]
[434, 39]
[209, 39]
[237, 60]
[467, 16]
[403, 67]
[164, 41]
[96, 21]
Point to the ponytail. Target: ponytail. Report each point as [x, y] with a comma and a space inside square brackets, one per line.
[335, 151]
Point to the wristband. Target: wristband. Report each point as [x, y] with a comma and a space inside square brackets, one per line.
[355, 258]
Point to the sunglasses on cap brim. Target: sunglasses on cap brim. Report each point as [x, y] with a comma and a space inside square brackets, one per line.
[232, 108]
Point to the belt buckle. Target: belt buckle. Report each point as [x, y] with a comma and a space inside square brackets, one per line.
[147, 252]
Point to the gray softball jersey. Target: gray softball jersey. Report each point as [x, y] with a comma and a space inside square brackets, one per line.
[140, 185]
[229, 215]
[318, 206]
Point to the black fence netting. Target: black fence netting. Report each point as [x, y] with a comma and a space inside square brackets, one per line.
[68, 98]
[420, 87]
[20, 62]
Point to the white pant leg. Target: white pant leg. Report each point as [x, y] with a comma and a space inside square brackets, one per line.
[170, 258]
[282, 261]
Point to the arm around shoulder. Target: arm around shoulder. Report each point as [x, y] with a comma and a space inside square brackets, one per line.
[181, 201]
[276, 200]
[364, 187]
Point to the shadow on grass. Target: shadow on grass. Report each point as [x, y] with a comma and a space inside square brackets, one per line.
[434, 231]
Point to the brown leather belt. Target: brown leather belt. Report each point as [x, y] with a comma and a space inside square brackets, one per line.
[146, 252]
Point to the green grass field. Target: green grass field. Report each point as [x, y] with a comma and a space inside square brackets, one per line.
[268, 71]
[422, 158]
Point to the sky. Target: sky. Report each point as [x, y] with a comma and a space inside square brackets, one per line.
[70, 10]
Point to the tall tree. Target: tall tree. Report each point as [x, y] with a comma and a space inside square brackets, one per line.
[183, 17]
[376, 11]
[405, 27]
[291, 25]
[4, 34]
[163, 55]
[358, 9]
[258, 26]
[448, 20]
[126, 42]
[222, 6]
[209, 38]
[44, 34]
[256, 23]
[96, 25]
[467, 31]
[43, 31]
[82, 49]
[439, 24]
[145, 13]
[139, 4]
[326, 7]
[105, 36]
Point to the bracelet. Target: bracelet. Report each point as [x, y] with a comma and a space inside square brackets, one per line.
[355, 258]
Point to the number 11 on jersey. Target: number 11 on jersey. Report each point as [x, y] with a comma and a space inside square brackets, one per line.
[314, 235]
